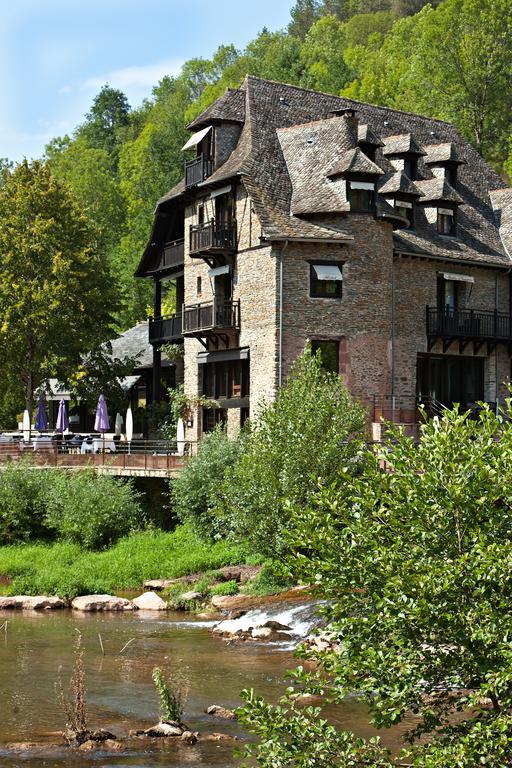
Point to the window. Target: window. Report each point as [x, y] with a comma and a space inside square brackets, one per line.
[405, 209]
[448, 295]
[200, 214]
[451, 175]
[410, 167]
[325, 280]
[328, 354]
[446, 224]
[228, 379]
[212, 417]
[361, 195]
[199, 288]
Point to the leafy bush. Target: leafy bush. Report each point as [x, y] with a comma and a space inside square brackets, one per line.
[91, 509]
[171, 704]
[225, 588]
[195, 492]
[274, 577]
[312, 430]
[22, 502]
[415, 565]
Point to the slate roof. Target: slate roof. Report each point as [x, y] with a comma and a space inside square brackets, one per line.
[354, 161]
[230, 107]
[436, 189]
[501, 200]
[437, 154]
[399, 183]
[286, 176]
[404, 144]
[134, 342]
[365, 135]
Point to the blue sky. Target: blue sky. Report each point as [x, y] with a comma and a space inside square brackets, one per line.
[56, 54]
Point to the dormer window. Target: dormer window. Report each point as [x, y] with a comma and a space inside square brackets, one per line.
[411, 167]
[406, 210]
[451, 175]
[361, 196]
[446, 222]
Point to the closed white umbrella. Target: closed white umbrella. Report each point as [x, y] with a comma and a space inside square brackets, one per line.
[129, 427]
[26, 426]
[180, 437]
[119, 424]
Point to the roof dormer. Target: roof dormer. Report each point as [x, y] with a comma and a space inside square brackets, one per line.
[444, 160]
[354, 162]
[368, 141]
[403, 152]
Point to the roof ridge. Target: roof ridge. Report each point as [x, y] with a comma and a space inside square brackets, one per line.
[249, 77]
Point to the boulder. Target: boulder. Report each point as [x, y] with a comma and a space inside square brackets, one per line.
[158, 584]
[189, 737]
[150, 601]
[262, 633]
[88, 746]
[113, 745]
[218, 737]
[218, 711]
[240, 573]
[165, 729]
[102, 603]
[191, 595]
[31, 602]
[271, 624]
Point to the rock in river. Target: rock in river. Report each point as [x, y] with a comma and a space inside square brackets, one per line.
[217, 711]
[31, 602]
[191, 596]
[102, 603]
[150, 601]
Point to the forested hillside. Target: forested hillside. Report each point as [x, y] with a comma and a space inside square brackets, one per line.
[450, 59]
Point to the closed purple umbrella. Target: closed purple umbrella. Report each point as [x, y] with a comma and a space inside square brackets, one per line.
[41, 422]
[62, 417]
[101, 422]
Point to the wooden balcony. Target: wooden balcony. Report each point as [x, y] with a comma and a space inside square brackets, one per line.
[197, 170]
[165, 329]
[210, 238]
[211, 317]
[468, 325]
[173, 254]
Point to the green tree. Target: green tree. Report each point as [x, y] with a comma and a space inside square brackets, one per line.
[415, 562]
[322, 54]
[304, 14]
[109, 113]
[56, 294]
[311, 430]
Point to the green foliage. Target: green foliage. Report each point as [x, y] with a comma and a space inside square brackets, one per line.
[274, 577]
[171, 705]
[22, 502]
[322, 53]
[90, 509]
[195, 492]
[416, 565]
[108, 115]
[225, 588]
[47, 250]
[313, 429]
[100, 372]
[67, 570]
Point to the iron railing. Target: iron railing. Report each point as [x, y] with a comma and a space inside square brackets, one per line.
[163, 329]
[197, 170]
[469, 324]
[212, 236]
[173, 254]
[211, 315]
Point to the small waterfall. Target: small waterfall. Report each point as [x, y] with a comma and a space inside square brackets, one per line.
[301, 619]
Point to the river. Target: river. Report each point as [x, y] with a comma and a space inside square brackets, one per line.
[120, 692]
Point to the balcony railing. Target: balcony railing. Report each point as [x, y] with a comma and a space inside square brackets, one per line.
[210, 237]
[474, 324]
[197, 170]
[211, 316]
[173, 254]
[165, 329]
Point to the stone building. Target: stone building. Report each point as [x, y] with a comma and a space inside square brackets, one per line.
[380, 236]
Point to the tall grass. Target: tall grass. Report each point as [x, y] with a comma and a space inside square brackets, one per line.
[66, 570]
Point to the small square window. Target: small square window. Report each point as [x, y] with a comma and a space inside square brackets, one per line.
[325, 280]
[328, 351]
[361, 196]
[446, 224]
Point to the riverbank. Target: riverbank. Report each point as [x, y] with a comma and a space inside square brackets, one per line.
[67, 570]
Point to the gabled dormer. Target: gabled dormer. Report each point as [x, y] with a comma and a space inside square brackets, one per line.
[403, 153]
[444, 161]
[360, 174]
[441, 202]
[368, 141]
[216, 134]
[402, 194]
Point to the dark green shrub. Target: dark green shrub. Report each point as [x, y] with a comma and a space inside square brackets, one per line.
[225, 588]
[194, 492]
[92, 510]
[23, 491]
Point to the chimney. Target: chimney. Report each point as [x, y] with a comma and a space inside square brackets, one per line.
[351, 119]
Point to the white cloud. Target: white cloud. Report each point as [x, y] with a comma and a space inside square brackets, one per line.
[135, 81]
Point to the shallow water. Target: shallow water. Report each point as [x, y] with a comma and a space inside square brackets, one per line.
[120, 692]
